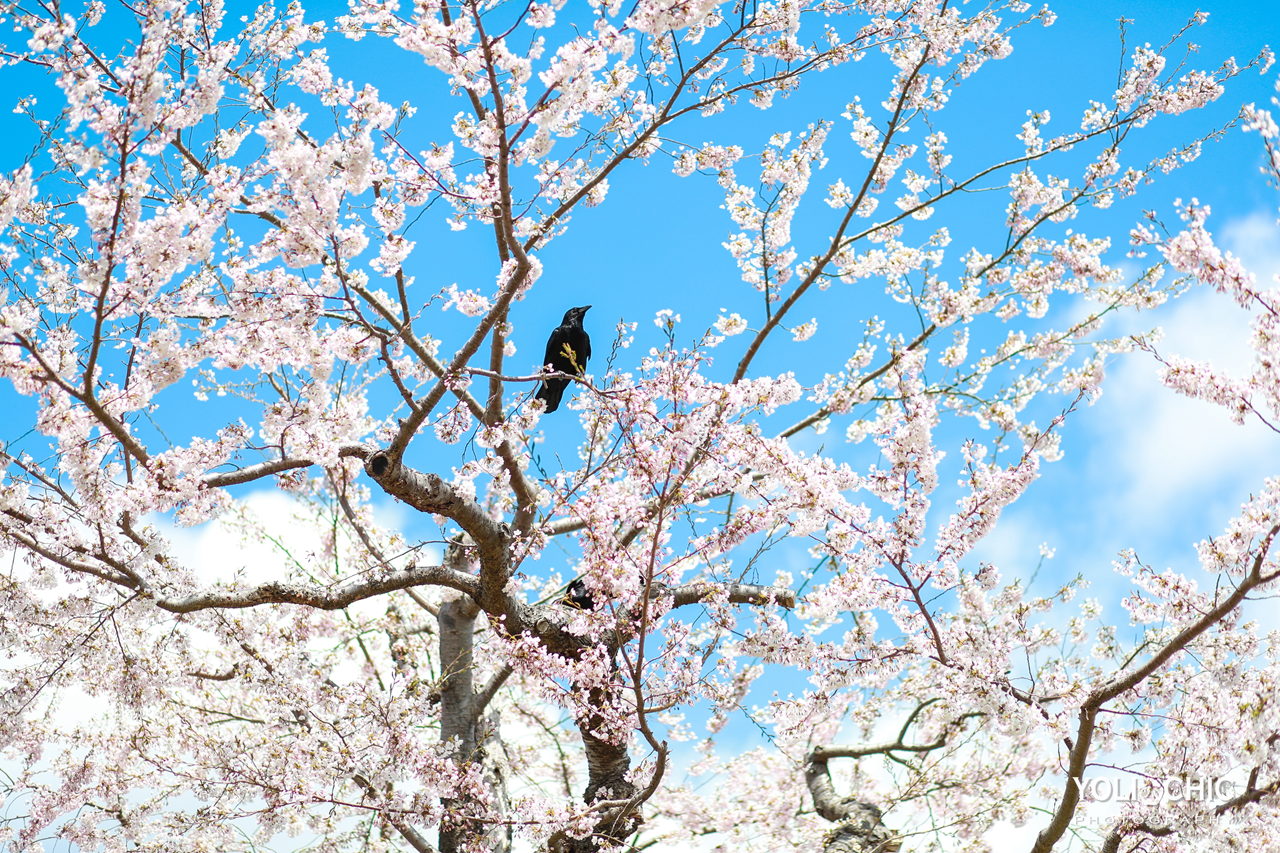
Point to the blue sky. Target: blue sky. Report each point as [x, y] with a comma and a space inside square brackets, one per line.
[655, 243]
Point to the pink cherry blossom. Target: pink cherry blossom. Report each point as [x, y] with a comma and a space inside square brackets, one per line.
[452, 621]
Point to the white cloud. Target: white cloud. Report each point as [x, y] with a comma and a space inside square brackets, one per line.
[1145, 467]
[1255, 239]
[217, 550]
[1168, 451]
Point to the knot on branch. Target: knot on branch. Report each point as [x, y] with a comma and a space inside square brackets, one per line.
[378, 464]
[422, 491]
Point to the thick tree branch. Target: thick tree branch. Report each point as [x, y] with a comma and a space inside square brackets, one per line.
[335, 598]
[430, 493]
[739, 593]
[861, 829]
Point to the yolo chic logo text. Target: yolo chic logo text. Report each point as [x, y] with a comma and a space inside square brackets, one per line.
[1127, 788]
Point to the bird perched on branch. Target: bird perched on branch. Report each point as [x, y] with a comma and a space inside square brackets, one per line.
[577, 596]
[568, 349]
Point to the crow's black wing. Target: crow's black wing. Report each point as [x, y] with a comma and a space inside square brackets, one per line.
[553, 389]
[554, 355]
[578, 596]
[575, 340]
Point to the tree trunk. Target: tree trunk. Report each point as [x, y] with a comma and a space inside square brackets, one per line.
[459, 724]
[607, 766]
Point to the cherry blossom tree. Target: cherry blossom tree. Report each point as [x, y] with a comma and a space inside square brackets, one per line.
[215, 210]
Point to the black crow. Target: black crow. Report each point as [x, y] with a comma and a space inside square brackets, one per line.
[577, 596]
[568, 349]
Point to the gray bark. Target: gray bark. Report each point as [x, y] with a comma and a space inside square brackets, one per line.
[860, 828]
[466, 821]
[607, 767]
[500, 834]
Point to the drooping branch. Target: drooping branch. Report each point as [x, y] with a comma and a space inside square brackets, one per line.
[485, 694]
[333, 598]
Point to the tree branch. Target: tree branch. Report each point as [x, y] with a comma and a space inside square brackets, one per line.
[739, 593]
[325, 599]
[1116, 685]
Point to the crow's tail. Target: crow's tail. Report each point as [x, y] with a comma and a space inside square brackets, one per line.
[550, 393]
